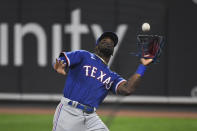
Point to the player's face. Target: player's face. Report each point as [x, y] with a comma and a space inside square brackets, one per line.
[106, 46]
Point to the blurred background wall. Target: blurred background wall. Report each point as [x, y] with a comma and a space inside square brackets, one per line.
[34, 32]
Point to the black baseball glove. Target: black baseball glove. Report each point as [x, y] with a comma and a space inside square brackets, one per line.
[150, 46]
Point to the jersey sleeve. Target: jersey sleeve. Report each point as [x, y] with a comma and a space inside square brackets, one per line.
[116, 83]
[71, 58]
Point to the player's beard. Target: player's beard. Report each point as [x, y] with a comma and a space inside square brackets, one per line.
[107, 51]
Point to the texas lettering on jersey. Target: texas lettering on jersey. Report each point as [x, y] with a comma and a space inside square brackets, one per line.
[92, 71]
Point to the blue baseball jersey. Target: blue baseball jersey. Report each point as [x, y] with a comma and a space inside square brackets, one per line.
[89, 79]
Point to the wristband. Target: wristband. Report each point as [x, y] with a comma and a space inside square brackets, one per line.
[141, 69]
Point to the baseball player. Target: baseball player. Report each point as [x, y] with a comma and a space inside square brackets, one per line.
[88, 82]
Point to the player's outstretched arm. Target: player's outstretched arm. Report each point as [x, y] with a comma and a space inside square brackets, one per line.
[59, 67]
[127, 87]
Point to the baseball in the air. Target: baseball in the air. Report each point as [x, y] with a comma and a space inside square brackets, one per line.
[145, 27]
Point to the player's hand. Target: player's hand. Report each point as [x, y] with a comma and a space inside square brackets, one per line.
[60, 67]
[146, 61]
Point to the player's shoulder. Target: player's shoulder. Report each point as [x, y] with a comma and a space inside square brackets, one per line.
[80, 52]
[118, 77]
[113, 73]
[116, 74]
[85, 53]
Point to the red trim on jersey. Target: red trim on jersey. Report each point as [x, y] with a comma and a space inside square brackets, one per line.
[117, 85]
[67, 60]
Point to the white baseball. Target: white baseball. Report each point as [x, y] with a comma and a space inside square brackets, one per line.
[145, 27]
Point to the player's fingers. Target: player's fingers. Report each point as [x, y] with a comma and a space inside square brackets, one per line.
[62, 61]
[57, 61]
[55, 65]
[64, 65]
[146, 61]
[150, 60]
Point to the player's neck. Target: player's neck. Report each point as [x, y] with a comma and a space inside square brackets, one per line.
[104, 58]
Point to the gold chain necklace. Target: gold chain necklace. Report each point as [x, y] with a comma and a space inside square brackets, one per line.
[101, 59]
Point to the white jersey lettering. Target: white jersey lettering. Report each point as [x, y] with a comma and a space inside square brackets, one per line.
[87, 69]
[101, 76]
[94, 69]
